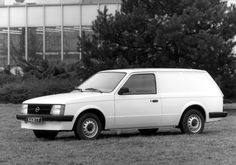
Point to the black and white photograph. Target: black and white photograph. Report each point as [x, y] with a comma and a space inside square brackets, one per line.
[122, 82]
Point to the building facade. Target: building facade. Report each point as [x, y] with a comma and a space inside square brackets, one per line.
[47, 29]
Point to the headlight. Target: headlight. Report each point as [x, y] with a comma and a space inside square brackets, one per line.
[58, 110]
[24, 108]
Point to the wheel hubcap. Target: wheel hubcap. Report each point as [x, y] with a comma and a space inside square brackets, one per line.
[194, 123]
[90, 128]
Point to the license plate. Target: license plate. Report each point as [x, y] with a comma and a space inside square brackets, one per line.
[34, 120]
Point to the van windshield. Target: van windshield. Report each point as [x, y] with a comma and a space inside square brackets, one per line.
[103, 82]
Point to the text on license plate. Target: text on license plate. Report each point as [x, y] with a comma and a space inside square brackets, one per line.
[34, 119]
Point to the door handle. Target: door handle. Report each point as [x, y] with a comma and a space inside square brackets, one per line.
[154, 101]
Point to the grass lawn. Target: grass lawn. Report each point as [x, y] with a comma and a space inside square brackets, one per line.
[217, 145]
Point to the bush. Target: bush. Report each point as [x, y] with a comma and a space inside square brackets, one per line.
[17, 92]
[39, 79]
[42, 69]
[228, 87]
[7, 78]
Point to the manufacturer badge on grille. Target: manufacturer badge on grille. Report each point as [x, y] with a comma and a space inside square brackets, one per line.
[37, 109]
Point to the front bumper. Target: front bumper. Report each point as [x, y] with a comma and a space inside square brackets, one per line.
[67, 118]
[217, 114]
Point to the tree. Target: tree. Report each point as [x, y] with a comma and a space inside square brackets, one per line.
[164, 33]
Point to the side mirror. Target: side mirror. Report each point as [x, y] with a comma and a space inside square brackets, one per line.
[123, 90]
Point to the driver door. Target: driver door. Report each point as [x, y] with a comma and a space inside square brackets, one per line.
[137, 103]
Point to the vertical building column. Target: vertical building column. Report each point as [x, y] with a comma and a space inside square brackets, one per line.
[8, 39]
[118, 7]
[44, 33]
[80, 32]
[26, 33]
[62, 33]
[99, 6]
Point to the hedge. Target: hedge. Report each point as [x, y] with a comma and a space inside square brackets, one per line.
[19, 91]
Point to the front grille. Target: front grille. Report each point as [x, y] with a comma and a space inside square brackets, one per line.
[39, 109]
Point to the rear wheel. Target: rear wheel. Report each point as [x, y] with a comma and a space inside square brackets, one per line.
[148, 131]
[88, 127]
[45, 134]
[192, 122]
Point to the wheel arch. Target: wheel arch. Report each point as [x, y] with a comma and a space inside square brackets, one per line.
[193, 106]
[95, 111]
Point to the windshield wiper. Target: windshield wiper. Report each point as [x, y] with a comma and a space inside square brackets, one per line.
[79, 89]
[93, 89]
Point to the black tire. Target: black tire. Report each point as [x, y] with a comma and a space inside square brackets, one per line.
[148, 131]
[88, 127]
[192, 122]
[45, 134]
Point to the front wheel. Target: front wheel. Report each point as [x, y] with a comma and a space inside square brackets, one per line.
[45, 134]
[192, 122]
[88, 127]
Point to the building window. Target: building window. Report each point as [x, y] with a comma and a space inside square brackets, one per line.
[51, 18]
[87, 30]
[3, 46]
[17, 44]
[71, 35]
[53, 44]
[35, 43]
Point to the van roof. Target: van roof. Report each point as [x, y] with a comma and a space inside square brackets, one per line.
[132, 70]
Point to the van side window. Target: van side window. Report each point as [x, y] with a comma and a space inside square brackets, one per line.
[141, 84]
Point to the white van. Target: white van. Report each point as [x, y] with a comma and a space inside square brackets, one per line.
[143, 99]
